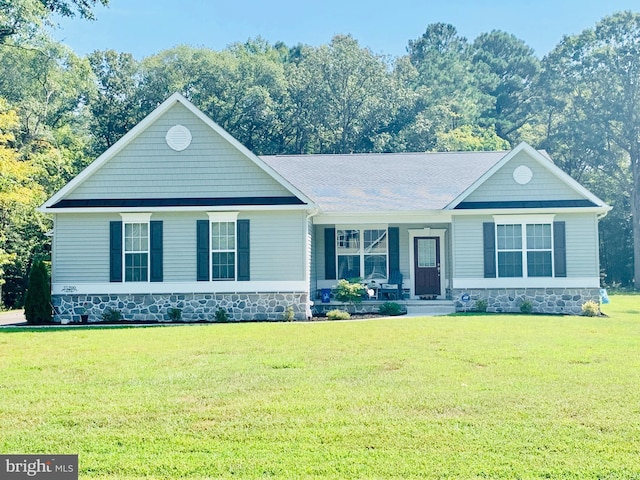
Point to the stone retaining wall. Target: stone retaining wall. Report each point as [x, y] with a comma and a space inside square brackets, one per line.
[543, 300]
[193, 306]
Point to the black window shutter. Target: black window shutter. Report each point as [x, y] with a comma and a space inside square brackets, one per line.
[394, 250]
[202, 253]
[244, 257]
[489, 242]
[156, 273]
[330, 253]
[559, 249]
[115, 251]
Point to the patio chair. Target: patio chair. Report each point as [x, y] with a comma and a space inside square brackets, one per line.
[393, 289]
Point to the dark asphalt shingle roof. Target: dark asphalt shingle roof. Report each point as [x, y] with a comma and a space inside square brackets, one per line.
[384, 181]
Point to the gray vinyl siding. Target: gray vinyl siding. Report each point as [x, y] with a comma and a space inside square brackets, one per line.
[543, 186]
[81, 246]
[581, 244]
[278, 243]
[148, 168]
[179, 245]
[403, 231]
[467, 246]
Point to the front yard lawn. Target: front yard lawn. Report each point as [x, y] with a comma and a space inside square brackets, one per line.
[493, 396]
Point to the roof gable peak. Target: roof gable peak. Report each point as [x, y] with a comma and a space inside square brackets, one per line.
[543, 159]
[145, 123]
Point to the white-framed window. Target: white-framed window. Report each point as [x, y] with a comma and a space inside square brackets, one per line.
[524, 246]
[135, 233]
[223, 243]
[362, 253]
[539, 250]
[509, 248]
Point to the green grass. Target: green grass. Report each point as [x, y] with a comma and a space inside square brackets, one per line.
[450, 397]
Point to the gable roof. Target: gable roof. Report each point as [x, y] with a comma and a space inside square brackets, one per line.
[543, 159]
[404, 182]
[58, 201]
[384, 182]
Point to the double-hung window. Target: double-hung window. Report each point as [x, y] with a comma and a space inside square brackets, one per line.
[509, 237]
[362, 253]
[524, 249]
[539, 250]
[136, 238]
[223, 250]
[136, 252]
[223, 245]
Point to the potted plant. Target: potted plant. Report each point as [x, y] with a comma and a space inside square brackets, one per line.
[84, 314]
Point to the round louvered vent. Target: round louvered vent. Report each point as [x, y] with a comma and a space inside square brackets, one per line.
[522, 175]
[178, 137]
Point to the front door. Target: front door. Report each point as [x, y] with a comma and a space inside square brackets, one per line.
[426, 254]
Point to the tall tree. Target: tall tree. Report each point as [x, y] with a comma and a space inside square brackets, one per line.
[24, 17]
[21, 227]
[596, 76]
[347, 95]
[48, 85]
[115, 104]
[507, 69]
[446, 74]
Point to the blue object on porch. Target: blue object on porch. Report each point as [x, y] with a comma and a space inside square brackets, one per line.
[393, 289]
[326, 295]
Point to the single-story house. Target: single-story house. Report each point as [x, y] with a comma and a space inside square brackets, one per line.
[179, 215]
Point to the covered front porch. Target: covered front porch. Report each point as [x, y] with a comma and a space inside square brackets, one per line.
[394, 261]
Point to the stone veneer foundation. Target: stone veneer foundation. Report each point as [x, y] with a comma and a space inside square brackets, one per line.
[543, 300]
[194, 307]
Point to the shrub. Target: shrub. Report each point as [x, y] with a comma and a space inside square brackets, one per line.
[37, 305]
[481, 305]
[289, 315]
[175, 314]
[111, 315]
[526, 306]
[338, 315]
[391, 309]
[590, 309]
[221, 315]
[350, 292]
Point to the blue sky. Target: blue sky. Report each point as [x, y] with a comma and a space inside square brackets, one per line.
[145, 27]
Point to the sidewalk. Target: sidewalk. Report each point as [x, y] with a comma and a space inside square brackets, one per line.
[13, 317]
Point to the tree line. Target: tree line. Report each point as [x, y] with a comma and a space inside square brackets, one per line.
[59, 111]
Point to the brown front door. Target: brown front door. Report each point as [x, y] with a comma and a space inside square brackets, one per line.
[426, 255]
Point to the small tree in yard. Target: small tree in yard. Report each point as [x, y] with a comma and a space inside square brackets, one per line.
[37, 305]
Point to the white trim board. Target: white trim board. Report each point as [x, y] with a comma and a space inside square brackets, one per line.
[530, 282]
[141, 288]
